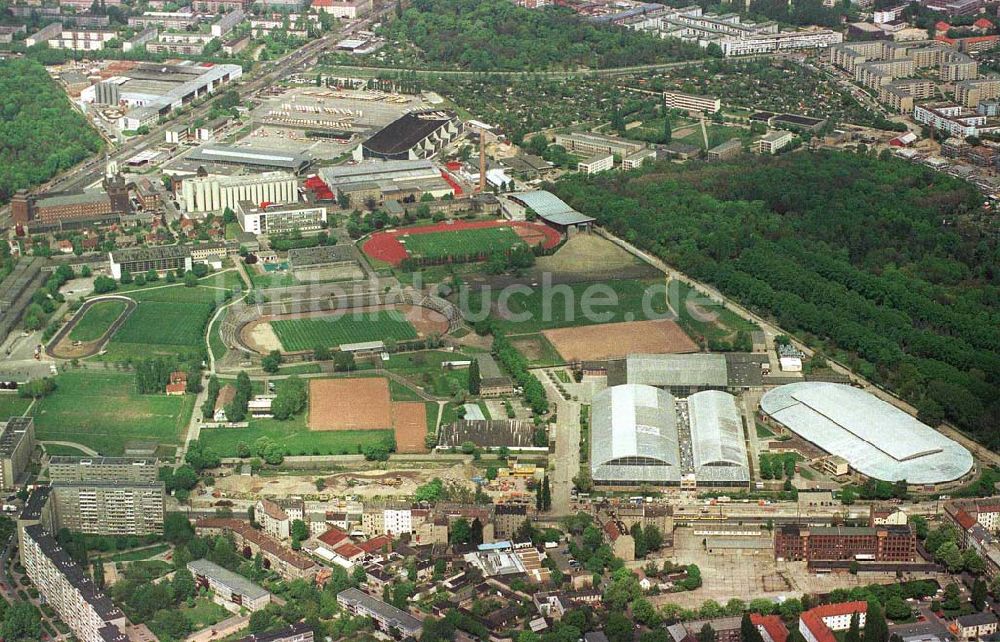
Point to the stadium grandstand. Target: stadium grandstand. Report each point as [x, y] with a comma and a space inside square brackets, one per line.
[549, 207]
[877, 439]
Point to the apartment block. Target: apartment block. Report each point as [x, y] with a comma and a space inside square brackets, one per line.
[17, 441]
[109, 508]
[231, 590]
[969, 93]
[116, 469]
[590, 144]
[691, 102]
[300, 632]
[597, 163]
[88, 612]
[818, 624]
[954, 119]
[772, 142]
[387, 617]
[901, 95]
[725, 151]
[275, 518]
[881, 544]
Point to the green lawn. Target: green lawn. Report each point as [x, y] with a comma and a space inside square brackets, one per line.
[102, 410]
[378, 325]
[180, 294]
[215, 339]
[273, 280]
[579, 304]
[59, 449]
[12, 406]
[156, 327]
[96, 320]
[228, 279]
[425, 369]
[700, 317]
[461, 243]
[294, 436]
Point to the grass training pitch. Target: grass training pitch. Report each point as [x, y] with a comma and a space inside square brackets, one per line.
[161, 323]
[97, 320]
[103, 411]
[472, 242]
[377, 325]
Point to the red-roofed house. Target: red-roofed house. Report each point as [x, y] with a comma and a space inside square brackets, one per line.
[982, 24]
[818, 624]
[333, 537]
[941, 26]
[178, 383]
[376, 544]
[771, 628]
[349, 552]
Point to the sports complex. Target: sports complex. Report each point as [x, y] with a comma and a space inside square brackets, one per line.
[877, 439]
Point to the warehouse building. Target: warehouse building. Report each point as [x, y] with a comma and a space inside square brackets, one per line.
[346, 9]
[229, 589]
[386, 616]
[876, 438]
[796, 543]
[215, 193]
[258, 159]
[680, 374]
[633, 437]
[717, 443]
[379, 181]
[17, 441]
[143, 259]
[257, 218]
[87, 611]
[419, 134]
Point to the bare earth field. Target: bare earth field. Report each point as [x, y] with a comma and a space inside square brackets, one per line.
[349, 404]
[410, 426]
[596, 342]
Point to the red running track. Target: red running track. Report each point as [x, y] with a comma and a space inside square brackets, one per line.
[385, 246]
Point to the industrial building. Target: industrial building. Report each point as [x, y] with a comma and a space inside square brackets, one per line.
[794, 543]
[346, 9]
[143, 259]
[73, 210]
[876, 438]
[17, 441]
[65, 468]
[229, 589]
[67, 589]
[419, 134]
[386, 616]
[680, 374]
[633, 437]
[277, 219]
[152, 90]
[380, 181]
[17, 289]
[215, 193]
[718, 445]
[258, 159]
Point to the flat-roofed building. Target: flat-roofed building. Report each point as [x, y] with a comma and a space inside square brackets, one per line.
[44, 34]
[782, 41]
[347, 9]
[67, 589]
[385, 180]
[215, 193]
[17, 441]
[65, 468]
[279, 219]
[728, 150]
[299, 632]
[969, 93]
[231, 590]
[680, 374]
[773, 142]
[691, 102]
[596, 164]
[143, 259]
[593, 144]
[638, 159]
[387, 617]
[165, 19]
[109, 507]
[794, 543]
[81, 39]
[259, 159]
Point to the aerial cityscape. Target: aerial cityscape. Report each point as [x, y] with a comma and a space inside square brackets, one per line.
[500, 320]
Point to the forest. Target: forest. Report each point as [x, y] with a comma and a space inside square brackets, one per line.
[497, 35]
[40, 132]
[875, 262]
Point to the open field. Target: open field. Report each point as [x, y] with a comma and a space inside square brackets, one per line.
[12, 406]
[706, 320]
[101, 410]
[177, 294]
[97, 320]
[588, 257]
[294, 436]
[377, 325]
[410, 424]
[349, 404]
[162, 323]
[538, 350]
[596, 342]
[578, 304]
[425, 368]
[455, 240]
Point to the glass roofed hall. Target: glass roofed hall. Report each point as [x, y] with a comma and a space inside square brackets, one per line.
[877, 439]
[718, 448]
[633, 438]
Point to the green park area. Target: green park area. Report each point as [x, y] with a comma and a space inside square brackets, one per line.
[102, 410]
[96, 320]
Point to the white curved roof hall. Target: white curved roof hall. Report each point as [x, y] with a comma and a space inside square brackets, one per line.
[876, 438]
[717, 443]
[633, 436]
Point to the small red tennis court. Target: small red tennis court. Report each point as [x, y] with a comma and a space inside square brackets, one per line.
[385, 245]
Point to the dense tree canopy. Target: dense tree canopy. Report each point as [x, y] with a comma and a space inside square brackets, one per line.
[879, 263]
[498, 35]
[40, 132]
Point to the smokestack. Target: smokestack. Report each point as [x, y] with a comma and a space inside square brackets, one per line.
[482, 161]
